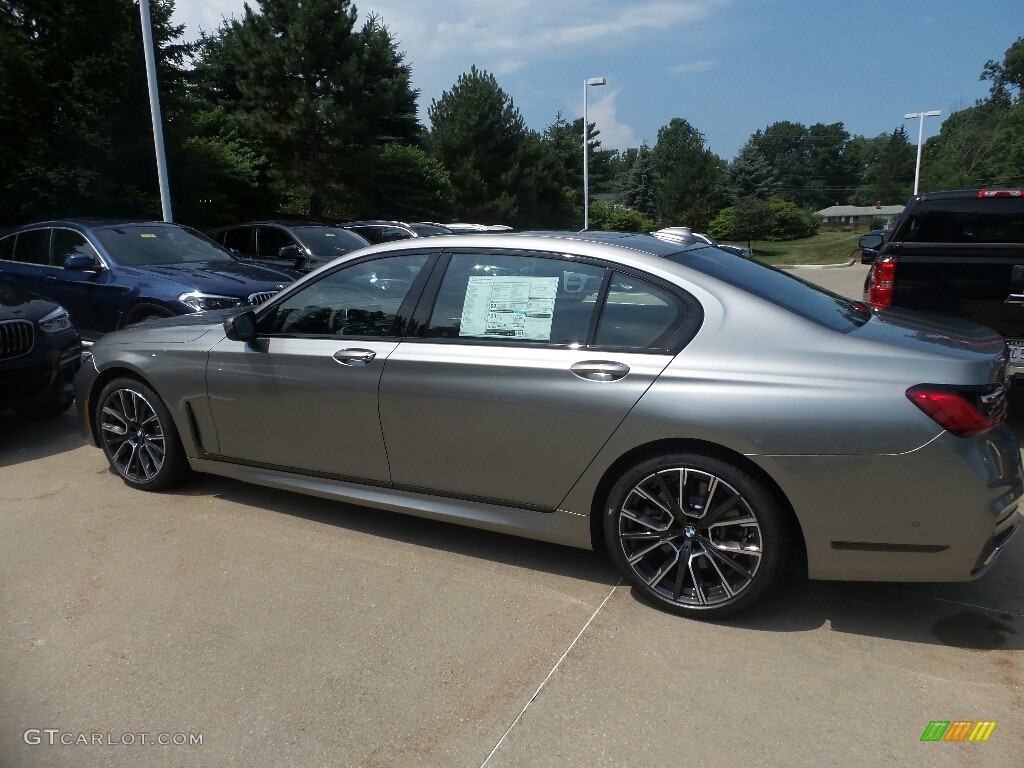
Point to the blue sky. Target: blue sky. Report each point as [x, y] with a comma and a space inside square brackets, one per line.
[729, 67]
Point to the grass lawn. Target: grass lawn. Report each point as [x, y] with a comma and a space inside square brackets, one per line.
[824, 248]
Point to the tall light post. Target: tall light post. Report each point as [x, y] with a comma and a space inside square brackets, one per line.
[154, 110]
[586, 149]
[920, 139]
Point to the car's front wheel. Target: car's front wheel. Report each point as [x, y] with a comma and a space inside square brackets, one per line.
[138, 436]
[695, 535]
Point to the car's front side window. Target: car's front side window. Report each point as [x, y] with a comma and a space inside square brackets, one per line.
[515, 298]
[362, 299]
[67, 243]
[272, 240]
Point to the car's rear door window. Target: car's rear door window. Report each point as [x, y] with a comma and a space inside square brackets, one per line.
[638, 315]
[501, 297]
[33, 247]
[240, 239]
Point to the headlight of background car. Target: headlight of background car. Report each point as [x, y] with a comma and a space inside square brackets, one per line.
[201, 302]
[55, 321]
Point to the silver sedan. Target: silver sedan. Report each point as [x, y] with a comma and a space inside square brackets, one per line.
[709, 420]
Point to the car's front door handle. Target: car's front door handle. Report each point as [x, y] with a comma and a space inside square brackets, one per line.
[50, 279]
[599, 370]
[1015, 298]
[354, 356]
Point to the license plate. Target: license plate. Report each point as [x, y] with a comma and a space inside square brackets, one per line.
[1016, 349]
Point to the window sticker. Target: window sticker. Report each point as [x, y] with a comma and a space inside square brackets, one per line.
[147, 235]
[509, 307]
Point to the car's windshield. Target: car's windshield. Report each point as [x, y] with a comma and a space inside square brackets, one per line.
[774, 285]
[136, 245]
[330, 241]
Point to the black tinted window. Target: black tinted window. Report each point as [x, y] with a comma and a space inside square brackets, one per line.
[972, 220]
[637, 315]
[516, 298]
[33, 247]
[774, 285]
[330, 242]
[69, 243]
[7, 247]
[359, 300]
[240, 239]
[272, 240]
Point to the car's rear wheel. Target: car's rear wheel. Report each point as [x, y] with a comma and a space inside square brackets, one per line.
[695, 535]
[138, 436]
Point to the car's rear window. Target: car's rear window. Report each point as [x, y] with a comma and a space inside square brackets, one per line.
[966, 220]
[136, 245]
[780, 288]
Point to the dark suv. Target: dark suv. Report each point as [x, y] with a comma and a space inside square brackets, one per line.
[39, 353]
[298, 245]
[115, 273]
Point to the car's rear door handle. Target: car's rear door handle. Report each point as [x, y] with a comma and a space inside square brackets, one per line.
[1015, 298]
[599, 370]
[50, 279]
[354, 356]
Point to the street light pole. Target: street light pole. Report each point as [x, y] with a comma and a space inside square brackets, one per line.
[154, 110]
[920, 140]
[586, 150]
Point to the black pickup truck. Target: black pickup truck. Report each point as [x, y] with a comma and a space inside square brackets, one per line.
[958, 253]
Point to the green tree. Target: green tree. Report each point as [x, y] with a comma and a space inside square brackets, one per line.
[691, 186]
[886, 167]
[750, 175]
[831, 174]
[641, 190]
[479, 137]
[77, 137]
[321, 97]
[784, 146]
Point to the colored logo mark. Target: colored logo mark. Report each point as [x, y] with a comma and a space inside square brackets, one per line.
[958, 730]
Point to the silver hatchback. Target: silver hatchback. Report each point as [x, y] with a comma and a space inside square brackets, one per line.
[707, 419]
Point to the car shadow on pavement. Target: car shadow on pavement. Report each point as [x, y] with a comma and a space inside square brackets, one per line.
[27, 438]
[987, 614]
[449, 537]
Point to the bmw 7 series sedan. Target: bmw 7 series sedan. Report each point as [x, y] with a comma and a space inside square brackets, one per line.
[707, 419]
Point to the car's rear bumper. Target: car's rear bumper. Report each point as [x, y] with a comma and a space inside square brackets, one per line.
[943, 512]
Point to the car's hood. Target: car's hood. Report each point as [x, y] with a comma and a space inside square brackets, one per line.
[18, 304]
[237, 278]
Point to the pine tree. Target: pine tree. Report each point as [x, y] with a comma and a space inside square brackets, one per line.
[640, 192]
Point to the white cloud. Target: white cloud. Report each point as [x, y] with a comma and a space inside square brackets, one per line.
[603, 112]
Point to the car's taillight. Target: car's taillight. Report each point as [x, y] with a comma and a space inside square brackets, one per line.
[883, 276]
[983, 193]
[963, 413]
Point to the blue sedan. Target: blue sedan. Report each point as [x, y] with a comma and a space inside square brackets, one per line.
[115, 273]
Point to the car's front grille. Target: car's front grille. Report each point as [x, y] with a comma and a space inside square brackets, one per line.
[17, 337]
[259, 298]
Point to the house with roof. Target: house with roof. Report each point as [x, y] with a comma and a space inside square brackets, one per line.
[858, 217]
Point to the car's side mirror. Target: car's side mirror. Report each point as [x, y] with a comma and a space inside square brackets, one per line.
[81, 262]
[241, 327]
[288, 252]
[871, 241]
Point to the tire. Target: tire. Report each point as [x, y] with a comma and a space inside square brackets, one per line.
[657, 516]
[139, 437]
